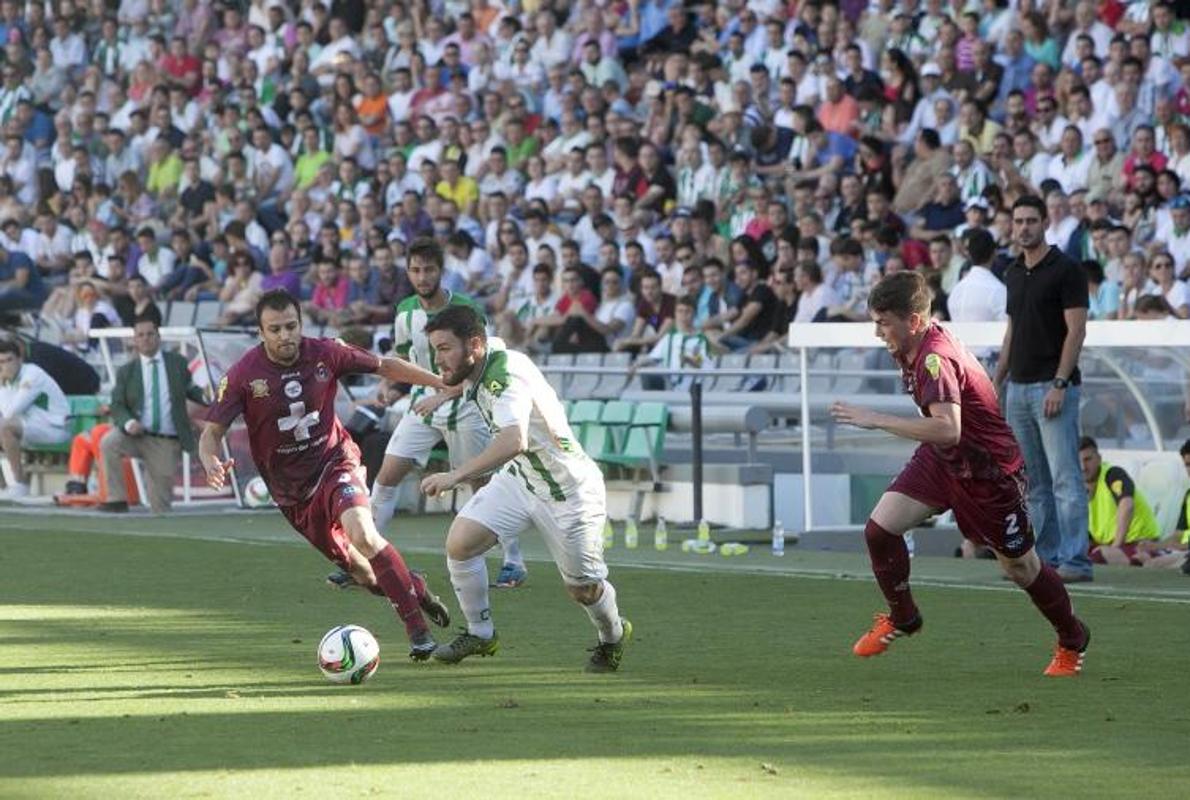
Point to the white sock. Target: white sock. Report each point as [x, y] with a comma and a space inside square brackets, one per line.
[384, 504]
[512, 550]
[470, 581]
[606, 616]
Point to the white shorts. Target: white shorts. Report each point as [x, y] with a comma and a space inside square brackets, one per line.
[39, 428]
[572, 528]
[414, 439]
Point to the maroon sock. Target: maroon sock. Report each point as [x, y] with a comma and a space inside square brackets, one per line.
[890, 565]
[419, 585]
[1049, 594]
[394, 579]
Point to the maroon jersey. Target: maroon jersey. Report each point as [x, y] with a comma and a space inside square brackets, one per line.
[294, 434]
[944, 372]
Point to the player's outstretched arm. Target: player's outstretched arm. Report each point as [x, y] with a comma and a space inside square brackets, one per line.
[428, 405]
[210, 448]
[943, 427]
[505, 445]
[398, 370]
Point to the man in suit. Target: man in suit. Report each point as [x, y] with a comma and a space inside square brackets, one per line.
[149, 419]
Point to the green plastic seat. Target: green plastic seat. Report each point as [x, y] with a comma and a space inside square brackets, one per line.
[597, 441]
[644, 442]
[583, 412]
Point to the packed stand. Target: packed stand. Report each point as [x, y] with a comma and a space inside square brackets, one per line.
[586, 164]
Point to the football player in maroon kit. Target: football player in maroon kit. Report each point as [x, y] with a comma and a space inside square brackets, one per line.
[968, 461]
[285, 389]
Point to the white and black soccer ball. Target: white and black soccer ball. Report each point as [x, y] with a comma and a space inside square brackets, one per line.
[348, 654]
[256, 494]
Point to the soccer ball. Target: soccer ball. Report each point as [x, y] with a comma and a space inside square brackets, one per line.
[256, 494]
[348, 654]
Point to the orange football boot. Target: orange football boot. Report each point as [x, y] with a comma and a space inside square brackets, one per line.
[1068, 662]
[881, 635]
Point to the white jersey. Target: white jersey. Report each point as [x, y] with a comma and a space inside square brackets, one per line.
[33, 393]
[410, 342]
[674, 348]
[511, 391]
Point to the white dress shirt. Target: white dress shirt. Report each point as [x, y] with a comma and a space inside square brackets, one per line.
[978, 297]
[166, 425]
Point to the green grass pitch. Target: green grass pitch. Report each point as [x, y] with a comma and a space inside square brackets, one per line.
[176, 659]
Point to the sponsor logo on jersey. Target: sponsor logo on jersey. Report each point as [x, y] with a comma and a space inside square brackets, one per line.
[321, 373]
[495, 387]
[259, 387]
[933, 365]
[293, 390]
[222, 389]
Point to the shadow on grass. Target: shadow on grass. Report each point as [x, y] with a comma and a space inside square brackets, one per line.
[722, 667]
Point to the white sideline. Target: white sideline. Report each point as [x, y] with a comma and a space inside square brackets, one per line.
[716, 564]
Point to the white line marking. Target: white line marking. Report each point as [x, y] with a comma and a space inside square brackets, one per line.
[1169, 596]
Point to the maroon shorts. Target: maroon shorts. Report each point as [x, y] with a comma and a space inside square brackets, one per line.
[989, 511]
[342, 487]
[1129, 550]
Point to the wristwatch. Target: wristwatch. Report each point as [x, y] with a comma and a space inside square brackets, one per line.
[1060, 383]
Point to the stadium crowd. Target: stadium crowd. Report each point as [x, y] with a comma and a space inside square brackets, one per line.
[586, 163]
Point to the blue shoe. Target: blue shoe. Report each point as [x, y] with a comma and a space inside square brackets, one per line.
[511, 576]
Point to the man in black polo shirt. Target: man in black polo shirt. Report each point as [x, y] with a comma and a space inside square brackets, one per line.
[1047, 320]
[757, 310]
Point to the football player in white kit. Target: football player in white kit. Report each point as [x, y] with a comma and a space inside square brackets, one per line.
[543, 478]
[433, 417]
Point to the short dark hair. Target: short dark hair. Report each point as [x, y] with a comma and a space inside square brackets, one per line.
[12, 345]
[930, 138]
[277, 300]
[981, 246]
[812, 270]
[1031, 201]
[462, 321]
[901, 294]
[427, 249]
[1184, 450]
[1087, 443]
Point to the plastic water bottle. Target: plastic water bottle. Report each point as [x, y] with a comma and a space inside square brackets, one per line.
[909, 543]
[631, 535]
[704, 530]
[778, 538]
[660, 535]
[609, 535]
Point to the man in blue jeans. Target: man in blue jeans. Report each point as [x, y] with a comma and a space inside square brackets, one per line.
[1047, 321]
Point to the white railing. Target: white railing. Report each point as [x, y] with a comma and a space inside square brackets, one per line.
[1171, 336]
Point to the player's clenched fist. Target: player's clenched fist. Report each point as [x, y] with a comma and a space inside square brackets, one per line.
[438, 483]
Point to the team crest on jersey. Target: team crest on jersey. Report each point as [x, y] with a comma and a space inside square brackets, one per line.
[495, 387]
[222, 389]
[933, 365]
[259, 387]
[321, 373]
[293, 390]
[1117, 487]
